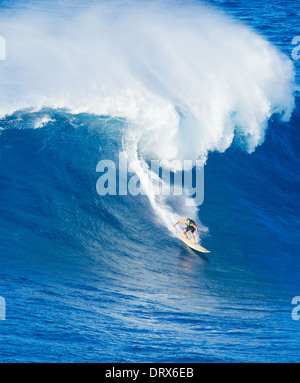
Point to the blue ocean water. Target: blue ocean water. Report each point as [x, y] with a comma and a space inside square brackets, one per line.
[90, 278]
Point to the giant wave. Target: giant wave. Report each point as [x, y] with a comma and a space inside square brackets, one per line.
[188, 80]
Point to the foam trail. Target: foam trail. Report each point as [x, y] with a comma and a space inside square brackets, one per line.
[149, 182]
[152, 185]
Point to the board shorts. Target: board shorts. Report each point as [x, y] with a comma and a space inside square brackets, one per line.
[190, 228]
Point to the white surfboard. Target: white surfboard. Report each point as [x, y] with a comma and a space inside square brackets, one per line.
[191, 244]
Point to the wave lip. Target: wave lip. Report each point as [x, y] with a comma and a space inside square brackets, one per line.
[188, 78]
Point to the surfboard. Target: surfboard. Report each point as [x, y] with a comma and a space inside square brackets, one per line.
[191, 244]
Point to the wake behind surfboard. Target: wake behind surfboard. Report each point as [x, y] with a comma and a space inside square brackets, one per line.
[191, 244]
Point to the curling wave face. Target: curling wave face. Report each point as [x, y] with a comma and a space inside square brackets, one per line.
[189, 80]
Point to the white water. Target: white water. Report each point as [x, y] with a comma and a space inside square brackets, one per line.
[187, 78]
[152, 185]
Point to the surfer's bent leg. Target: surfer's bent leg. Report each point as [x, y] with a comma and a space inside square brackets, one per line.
[192, 234]
[184, 233]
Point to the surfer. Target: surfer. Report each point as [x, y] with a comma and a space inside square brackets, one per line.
[191, 226]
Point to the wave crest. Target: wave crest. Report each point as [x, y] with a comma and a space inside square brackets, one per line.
[188, 78]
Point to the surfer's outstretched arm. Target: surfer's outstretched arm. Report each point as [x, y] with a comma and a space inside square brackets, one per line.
[178, 223]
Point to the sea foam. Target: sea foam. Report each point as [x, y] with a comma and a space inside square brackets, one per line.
[187, 78]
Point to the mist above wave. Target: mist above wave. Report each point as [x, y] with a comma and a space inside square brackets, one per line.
[187, 78]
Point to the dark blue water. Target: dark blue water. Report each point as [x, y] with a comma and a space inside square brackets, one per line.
[88, 278]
